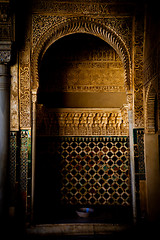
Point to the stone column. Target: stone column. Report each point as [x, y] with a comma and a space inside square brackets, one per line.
[34, 101]
[132, 163]
[4, 131]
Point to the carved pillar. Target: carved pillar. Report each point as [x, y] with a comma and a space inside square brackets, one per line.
[34, 101]
[132, 163]
[4, 124]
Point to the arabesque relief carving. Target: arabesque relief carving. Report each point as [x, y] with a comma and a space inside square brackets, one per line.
[84, 25]
[83, 7]
[82, 122]
[151, 108]
[152, 90]
[93, 67]
[138, 72]
[41, 23]
[24, 86]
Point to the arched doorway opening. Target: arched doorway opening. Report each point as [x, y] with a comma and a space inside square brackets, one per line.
[82, 131]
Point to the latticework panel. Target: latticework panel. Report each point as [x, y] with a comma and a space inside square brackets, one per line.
[95, 171]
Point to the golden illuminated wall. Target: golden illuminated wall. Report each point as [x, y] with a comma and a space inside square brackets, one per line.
[86, 70]
[83, 63]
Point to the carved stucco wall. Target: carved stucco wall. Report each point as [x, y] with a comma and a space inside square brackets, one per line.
[116, 24]
[81, 63]
[81, 70]
[82, 122]
[151, 91]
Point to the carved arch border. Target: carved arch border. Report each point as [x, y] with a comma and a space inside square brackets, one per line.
[150, 121]
[80, 25]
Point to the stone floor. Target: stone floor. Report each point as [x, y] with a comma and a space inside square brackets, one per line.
[142, 230]
[114, 231]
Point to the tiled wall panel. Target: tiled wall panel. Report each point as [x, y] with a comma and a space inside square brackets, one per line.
[13, 166]
[95, 170]
[25, 168]
[92, 170]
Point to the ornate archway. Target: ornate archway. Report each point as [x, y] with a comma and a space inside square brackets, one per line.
[93, 27]
[81, 25]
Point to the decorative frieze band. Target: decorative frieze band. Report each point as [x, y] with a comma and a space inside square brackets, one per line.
[83, 7]
[90, 88]
[82, 122]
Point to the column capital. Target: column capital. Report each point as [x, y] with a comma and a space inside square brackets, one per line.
[5, 52]
[34, 95]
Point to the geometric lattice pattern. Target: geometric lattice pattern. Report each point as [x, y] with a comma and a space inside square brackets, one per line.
[13, 158]
[20, 171]
[25, 167]
[139, 153]
[95, 170]
[13, 166]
